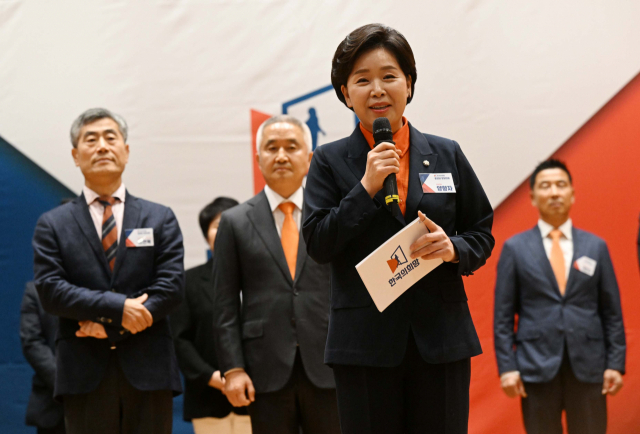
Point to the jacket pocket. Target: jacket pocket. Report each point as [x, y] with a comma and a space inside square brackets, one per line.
[528, 335]
[454, 292]
[350, 299]
[252, 329]
[595, 335]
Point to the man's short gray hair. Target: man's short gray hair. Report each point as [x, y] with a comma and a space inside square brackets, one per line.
[92, 115]
[306, 132]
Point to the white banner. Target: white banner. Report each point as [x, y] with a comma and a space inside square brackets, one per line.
[510, 81]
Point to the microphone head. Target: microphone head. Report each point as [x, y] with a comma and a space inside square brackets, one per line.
[382, 130]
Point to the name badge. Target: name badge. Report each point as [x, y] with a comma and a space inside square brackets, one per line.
[585, 265]
[142, 237]
[437, 183]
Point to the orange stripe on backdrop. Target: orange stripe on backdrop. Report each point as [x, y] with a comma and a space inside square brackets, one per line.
[603, 157]
[257, 118]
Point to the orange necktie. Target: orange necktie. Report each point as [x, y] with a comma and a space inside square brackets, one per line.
[289, 237]
[557, 260]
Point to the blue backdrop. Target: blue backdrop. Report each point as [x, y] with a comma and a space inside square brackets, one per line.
[26, 191]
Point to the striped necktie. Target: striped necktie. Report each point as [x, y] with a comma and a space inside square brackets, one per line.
[109, 230]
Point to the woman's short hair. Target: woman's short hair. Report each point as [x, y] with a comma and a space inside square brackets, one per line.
[364, 39]
[213, 210]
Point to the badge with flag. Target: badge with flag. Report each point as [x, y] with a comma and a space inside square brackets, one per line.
[142, 237]
[437, 183]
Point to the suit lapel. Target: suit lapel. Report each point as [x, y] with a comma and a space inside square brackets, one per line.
[420, 151]
[83, 218]
[540, 258]
[358, 148]
[578, 247]
[129, 221]
[301, 258]
[262, 220]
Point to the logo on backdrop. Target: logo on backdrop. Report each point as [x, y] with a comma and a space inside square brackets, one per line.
[397, 258]
[327, 118]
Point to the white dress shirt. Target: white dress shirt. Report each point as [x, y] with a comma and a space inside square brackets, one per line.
[566, 242]
[278, 216]
[96, 209]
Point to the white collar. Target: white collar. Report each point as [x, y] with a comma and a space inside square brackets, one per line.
[90, 196]
[565, 228]
[275, 199]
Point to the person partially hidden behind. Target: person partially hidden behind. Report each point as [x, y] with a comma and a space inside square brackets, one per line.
[271, 302]
[569, 349]
[38, 336]
[110, 266]
[192, 324]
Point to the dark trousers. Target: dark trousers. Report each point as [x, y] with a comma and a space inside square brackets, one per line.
[584, 403]
[415, 397]
[116, 407]
[55, 430]
[298, 405]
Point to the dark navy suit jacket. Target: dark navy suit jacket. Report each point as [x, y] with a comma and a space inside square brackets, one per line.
[343, 225]
[588, 319]
[38, 336]
[75, 283]
[194, 339]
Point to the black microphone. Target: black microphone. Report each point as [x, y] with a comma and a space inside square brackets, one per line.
[382, 133]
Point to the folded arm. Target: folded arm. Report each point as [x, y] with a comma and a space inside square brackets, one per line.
[167, 290]
[57, 295]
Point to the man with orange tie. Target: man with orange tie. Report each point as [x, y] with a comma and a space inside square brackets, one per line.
[110, 265]
[568, 352]
[271, 302]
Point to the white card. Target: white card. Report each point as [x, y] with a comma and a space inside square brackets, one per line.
[142, 237]
[437, 183]
[585, 265]
[389, 270]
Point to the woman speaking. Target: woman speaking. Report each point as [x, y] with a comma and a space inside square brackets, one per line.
[406, 369]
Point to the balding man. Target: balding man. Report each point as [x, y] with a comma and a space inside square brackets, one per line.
[271, 306]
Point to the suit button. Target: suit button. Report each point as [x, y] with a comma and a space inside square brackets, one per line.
[293, 322]
[295, 292]
[122, 332]
[109, 320]
[113, 290]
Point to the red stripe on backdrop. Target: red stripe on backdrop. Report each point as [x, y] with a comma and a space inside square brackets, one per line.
[257, 118]
[603, 157]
